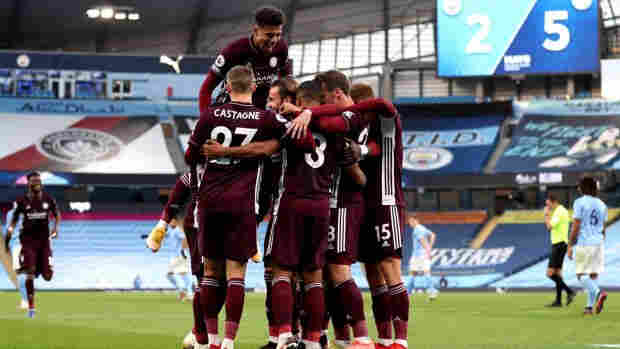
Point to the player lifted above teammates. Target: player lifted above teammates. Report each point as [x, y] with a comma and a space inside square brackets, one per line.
[264, 51]
[232, 184]
[35, 257]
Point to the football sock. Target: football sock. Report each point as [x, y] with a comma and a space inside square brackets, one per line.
[429, 283]
[400, 310]
[174, 280]
[30, 292]
[314, 307]
[210, 308]
[353, 305]
[558, 288]
[187, 281]
[591, 288]
[335, 310]
[200, 329]
[235, 295]
[282, 308]
[273, 331]
[381, 310]
[21, 281]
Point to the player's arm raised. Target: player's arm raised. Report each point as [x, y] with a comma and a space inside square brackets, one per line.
[180, 194]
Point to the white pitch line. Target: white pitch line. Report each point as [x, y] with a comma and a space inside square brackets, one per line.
[606, 345]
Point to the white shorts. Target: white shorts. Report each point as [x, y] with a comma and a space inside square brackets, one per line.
[15, 251]
[178, 265]
[419, 264]
[589, 259]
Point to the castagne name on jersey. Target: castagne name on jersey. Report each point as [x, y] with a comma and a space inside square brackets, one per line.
[236, 115]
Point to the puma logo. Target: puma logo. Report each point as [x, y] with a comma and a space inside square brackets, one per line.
[174, 64]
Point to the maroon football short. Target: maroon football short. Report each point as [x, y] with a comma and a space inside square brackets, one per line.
[36, 257]
[226, 235]
[343, 236]
[191, 234]
[298, 241]
[381, 236]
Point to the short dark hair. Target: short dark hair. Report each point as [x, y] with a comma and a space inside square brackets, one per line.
[269, 15]
[287, 87]
[588, 186]
[309, 90]
[361, 91]
[334, 79]
[33, 174]
[551, 197]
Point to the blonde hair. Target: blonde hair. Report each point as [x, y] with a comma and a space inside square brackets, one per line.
[240, 78]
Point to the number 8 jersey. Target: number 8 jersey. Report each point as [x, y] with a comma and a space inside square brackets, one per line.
[231, 185]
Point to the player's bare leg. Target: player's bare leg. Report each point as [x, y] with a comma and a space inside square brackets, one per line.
[381, 305]
[314, 307]
[352, 302]
[391, 269]
[235, 294]
[210, 300]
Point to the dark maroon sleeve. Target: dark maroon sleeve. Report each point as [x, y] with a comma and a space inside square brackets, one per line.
[206, 90]
[377, 105]
[53, 207]
[198, 138]
[178, 197]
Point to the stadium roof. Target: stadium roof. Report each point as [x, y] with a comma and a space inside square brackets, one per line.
[202, 25]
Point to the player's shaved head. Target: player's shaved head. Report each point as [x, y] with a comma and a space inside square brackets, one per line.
[361, 92]
[588, 186]
[334, 79]
[309, 93]
[240, 79]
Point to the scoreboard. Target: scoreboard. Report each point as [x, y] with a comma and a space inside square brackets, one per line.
[494, 37]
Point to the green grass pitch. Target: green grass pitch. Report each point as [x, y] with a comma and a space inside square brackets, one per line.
[155, 320]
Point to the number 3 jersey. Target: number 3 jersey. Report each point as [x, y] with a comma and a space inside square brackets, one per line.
[229, 184]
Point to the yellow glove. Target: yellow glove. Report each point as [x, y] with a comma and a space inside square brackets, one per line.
[156, 237]
[257, 258]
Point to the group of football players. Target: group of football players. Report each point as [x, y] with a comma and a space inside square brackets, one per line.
[324, 159]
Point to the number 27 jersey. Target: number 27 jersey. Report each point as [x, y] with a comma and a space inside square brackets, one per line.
[231, 185]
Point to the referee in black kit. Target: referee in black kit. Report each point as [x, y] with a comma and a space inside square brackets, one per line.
[557, 221]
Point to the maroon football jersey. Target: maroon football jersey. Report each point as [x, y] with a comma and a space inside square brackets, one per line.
[36, 211]
[231, 184]
[344, 191]
[384, 172]
[309, 175]
[179, 197]
[266, 68]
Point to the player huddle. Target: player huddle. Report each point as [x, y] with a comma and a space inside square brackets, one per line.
[325, 160]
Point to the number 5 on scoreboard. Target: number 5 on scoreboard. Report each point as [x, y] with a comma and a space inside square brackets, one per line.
[553, 27]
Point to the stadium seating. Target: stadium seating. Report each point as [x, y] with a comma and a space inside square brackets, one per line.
[534, 276]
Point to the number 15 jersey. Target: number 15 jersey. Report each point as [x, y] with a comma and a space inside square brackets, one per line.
[231, 184]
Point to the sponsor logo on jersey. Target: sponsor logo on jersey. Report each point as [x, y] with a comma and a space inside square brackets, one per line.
[426, 158]
[46, 206]
[273, 62]
[79, 146]
[220, 61]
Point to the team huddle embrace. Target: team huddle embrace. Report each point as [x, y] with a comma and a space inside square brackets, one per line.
[323, 160]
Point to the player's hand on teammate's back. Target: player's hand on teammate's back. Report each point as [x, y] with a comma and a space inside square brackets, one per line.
[299, 126]
[212, 149]
[289, 108]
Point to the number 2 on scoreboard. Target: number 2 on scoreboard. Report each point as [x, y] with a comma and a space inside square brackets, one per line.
[553, 27]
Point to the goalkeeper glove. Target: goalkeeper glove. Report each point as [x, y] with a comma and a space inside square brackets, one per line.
[156, 236]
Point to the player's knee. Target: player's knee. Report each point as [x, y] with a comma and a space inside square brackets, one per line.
[339, 273]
